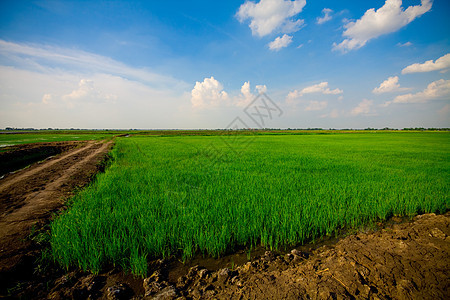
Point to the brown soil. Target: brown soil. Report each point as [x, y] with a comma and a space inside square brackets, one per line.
[13, 158]
[406, 260]
[402, 259]
[30, 196]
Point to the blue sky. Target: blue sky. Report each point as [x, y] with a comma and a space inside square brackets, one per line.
[199, 64]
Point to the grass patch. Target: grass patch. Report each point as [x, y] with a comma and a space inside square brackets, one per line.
[184, 195]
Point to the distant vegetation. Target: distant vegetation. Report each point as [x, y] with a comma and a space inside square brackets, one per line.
[26, 138]
[180, 195]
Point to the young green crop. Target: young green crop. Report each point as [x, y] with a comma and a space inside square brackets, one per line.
[11, 139]
[184, 195]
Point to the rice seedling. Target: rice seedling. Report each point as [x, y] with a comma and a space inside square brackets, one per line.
[165, 196]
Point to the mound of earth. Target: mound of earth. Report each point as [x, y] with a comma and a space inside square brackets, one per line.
[409, 260]
[13, 158]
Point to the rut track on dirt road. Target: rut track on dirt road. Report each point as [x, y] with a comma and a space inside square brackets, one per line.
[25, 174]
[31, 195]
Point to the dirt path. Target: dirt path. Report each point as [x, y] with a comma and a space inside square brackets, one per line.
[33, 194]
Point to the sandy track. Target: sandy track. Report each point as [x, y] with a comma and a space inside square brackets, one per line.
[33, 194]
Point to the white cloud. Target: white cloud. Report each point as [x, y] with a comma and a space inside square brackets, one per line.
[280, 42]
[316, 105]
[86, 91]
[246, 95]
[333, 114]
[85, 88]
[44, 58]
[261, 88]
[208, 93]
[35, 78]
[388, 86]
[437, 90]
[268, 16]
[46, 98]
[363, 108]
[326, 16]
[41, 103]
[317, 88]
[374, 23]
[407, 44]
[441, 63]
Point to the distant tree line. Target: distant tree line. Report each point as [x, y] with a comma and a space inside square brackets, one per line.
[262, 129]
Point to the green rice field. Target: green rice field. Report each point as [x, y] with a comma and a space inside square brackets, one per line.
[188, 195]
[7, 139]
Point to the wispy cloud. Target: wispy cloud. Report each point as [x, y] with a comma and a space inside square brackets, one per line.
[407, 44]
[363, 108]
[48, 86]
[45, 58]
[321, 88]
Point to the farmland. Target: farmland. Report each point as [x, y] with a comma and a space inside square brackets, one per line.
[11, 139]
[188, 195]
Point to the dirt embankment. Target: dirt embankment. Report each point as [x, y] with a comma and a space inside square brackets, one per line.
[402, 261]
[13, 158]
[29, 197]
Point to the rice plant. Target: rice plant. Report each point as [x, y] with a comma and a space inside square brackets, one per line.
[185, 195]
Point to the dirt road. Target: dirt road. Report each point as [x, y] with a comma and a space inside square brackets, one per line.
[31, 195]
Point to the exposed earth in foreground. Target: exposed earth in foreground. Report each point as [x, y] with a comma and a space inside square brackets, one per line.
[399, 260]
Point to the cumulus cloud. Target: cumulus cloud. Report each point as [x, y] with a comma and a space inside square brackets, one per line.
[246, 95]
[85, 88]
[363, 108]
[268, 16]
[316, 105]
[374, 23]
[261, 88]
[86, 91]
[326, 16]
[442, 63]
[388, 86]
[437, 90]
[280, 42]
[208, 93]
[317, 88]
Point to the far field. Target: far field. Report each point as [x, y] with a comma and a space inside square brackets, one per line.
[184, 195]
[12, 139]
